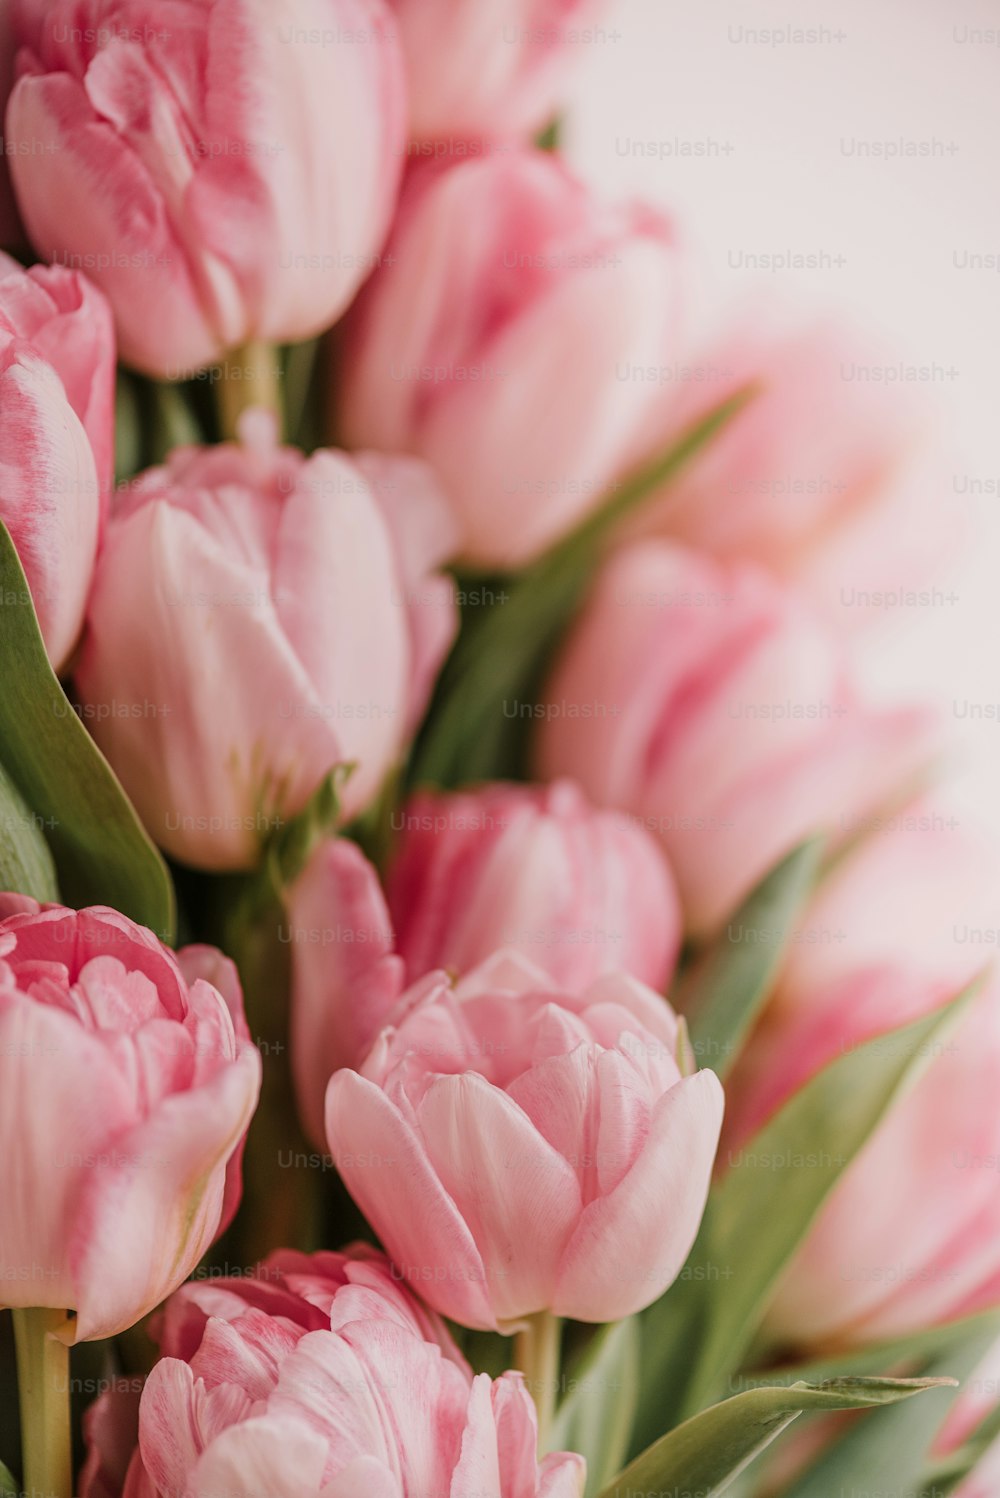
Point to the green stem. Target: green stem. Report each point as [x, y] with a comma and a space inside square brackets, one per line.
[43, 1388]
[537, 1351]
[248, 377]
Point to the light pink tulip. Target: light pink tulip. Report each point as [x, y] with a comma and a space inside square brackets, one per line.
[910, 1235]
[57, 364]
[321, 1378]
[224, 169]
[491, 342]
[252, 624]
[827, 476]
[581, 892]
[520, 1149]
[707, 701]
[490, 68]
[895, 930]
[128, 1082]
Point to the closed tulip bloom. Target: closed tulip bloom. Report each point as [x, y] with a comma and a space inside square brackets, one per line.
[57, 363]
[257, 619]
[492, 341]
[824, 477]
[581, 892]
[224, 169]
[910, 1235]
[320, 1378]
[128, 1083]
[489, 68]
[894, 931]
[708, 701]
[520, 1149]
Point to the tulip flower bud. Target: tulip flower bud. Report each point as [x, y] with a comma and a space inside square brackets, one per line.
[580, 892]
[493, 340]
[520, 1149]
[823, 477]
[487, 69]
[127, 1080]
[257, 618]
[320, 1377]
[57, 364]
[708, 702]
[225, 170]
[905, 920]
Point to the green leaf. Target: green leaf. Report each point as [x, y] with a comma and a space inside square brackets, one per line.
[490, 684]
[595, 1418]
[25, 861]
[697, 1336]
[9, 1486]
[723, 991]
[889, 1455]
[916, 1350]
[705, 1454]
[101, 852]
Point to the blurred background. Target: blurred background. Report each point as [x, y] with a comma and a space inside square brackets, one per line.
[861, 139]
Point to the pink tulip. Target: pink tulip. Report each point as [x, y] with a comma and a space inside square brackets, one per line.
[224, 169]
[57, 364]
[520, 1149]
[489, 68]
[708, 702]
[825, 476]
[580, 892]
[894, 931]
[910, 1236]
[321, 1378]
[128, 1082]
[254, 623]
[492, 339]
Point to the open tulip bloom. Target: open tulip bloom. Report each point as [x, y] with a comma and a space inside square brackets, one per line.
[443, 810]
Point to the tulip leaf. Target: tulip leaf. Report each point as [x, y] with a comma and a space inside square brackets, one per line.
[488, 691]
[595, 1418]
[101, 852]
[915, 1349]
[696, 1337]
[25, 861]
[889, 1455]
[705, 1454]
[725, 988]
[9, 1485]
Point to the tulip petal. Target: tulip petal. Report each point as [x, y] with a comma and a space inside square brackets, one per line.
[386, 1170]
[166, 1181]
[629, 1246]
[519, 1198]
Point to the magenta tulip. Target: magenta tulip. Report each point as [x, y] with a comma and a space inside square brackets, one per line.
[321, 1377]
[57, 365]
[128, 1082]
[224, 169]
[708, 702]
[492, 339]
[489, 68]
[520, 1149]
[256, 619]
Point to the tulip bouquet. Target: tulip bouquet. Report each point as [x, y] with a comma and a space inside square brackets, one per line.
[481, 1013]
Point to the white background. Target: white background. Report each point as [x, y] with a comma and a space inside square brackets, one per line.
[881, 70]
